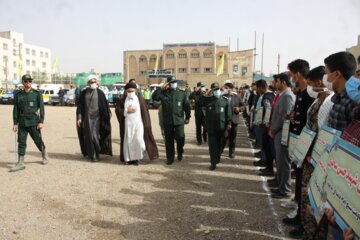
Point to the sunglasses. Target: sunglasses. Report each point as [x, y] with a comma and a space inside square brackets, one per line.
[27, 81]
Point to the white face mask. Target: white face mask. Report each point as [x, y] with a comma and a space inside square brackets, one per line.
[327, 84]
[93, 85]
[311, 92]
[131, 94]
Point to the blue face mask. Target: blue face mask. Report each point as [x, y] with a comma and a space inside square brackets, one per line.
[217, 93]
[173, 85]
[353, 88]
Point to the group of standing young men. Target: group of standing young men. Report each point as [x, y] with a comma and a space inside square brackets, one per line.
[325, 95]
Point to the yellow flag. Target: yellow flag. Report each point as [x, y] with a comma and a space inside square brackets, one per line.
[220, 69]
[156, 64]
[55, 63]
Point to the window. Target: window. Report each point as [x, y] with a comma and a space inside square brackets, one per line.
[14, 64]
[27, 51]
[33, 73]
[153, 59]
[182, 70]
[41, 54]
[33, 52]
[182, 55]
[15, 76]
[142, 72]
[195, 55]
[142, 59]
[5, 58]
[208, 70]
[195, 70]
[27, 62]
[46, 55]
[207, 55]
[14, 41]
[5, 46]
[170, 55]
[33, 63]
[44, 64]
[172, 70]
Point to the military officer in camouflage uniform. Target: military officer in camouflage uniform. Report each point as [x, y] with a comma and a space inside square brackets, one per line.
[217, 120]
[28, 117]
[176, 112]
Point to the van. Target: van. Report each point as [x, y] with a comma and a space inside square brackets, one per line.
[50, 89]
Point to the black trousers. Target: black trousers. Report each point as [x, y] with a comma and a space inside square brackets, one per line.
[230, 137]
[216, 139]
[172, 133]
[269, 149]
[201, 132]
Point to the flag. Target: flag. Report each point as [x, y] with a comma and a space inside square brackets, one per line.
[156, 64]
[220, 69]
[55, 64]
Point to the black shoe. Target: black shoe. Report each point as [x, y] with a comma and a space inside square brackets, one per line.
[199, 143]
[205, 139]
[168, 162]
[231, 155]
[259, 163]
[281, 195]
[136, 163]
[267, 173]
[180, 157]
[212, 167]
[275, 190]
[291, 221]
[263, 169]
[297, 232]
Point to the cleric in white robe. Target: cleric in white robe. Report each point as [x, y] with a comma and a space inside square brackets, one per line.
[135, 127]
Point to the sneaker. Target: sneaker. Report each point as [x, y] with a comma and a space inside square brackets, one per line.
[289, 205]
[293, 213]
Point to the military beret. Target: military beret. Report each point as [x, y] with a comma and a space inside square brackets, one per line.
[214, 86]
[171, 79]
[26, 77]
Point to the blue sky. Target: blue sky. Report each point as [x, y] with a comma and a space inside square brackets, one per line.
[93, 34]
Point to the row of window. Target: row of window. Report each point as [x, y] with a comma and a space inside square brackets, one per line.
[33, 62]
[27, 50]
[193, 55]
[184, 70]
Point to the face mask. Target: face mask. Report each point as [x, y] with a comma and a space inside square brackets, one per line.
[311, 92]
[217, 93]
[93, 85]
[173, 85]
[353, 88]
[131, 94]
[225, 91]
[327, 84]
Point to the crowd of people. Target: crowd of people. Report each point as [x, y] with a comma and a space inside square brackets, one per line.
[324, 95]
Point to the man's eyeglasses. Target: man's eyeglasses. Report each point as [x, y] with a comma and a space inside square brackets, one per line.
[92, 82]
[27, 81]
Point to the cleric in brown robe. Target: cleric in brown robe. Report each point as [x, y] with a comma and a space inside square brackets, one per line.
[149, 140]
[93, 121]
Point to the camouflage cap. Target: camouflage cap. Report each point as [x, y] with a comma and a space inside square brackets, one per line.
[214, 86]
[26, 77]
[171, 79]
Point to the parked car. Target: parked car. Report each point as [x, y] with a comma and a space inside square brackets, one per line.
[7, 97]
[69, 98]
[55, 99]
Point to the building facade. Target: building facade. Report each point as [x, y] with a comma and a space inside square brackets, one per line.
[18, 58]
[355, 50]
[191, 62]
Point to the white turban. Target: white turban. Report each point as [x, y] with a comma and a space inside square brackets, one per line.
[90, 77]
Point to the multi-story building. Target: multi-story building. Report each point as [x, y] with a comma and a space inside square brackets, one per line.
[191, 62]
[355, 50]
[18, 58]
